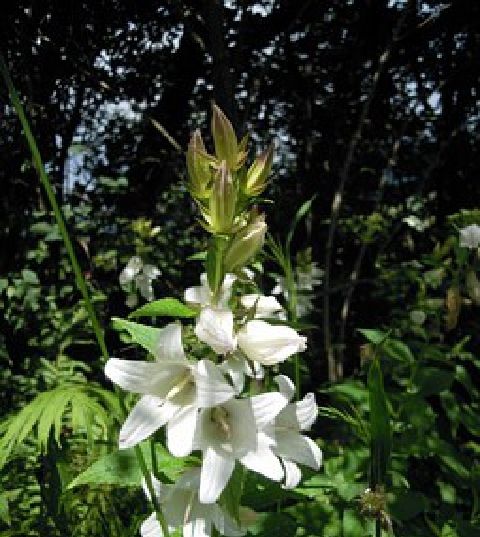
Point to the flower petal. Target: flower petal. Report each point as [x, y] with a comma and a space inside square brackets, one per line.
[298, 448]
[150, 527]
[197, 295]
[306, 411]
[148, 415]
[169, 346]
[266, 407]
[197, 527]
[142, 377]
[234, 367]
[159, 488]
[216, 471]
[215, 328]
[225, 524]
[269, 344]
[292, 474]
[265, 306]
[263, 460]
[285, 386]
[212, 388]
[180, 431]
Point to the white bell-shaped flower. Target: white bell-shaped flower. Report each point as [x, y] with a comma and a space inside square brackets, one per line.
[232, 431]
[470, 236]
[202, 296]
[284, 433]
[172, 391]
[269, 344]
[182, 509]
[215, 328]
[265, 306]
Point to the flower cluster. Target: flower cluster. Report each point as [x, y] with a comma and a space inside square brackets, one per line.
[216, 403]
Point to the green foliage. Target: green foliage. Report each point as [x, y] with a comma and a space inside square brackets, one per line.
[165, 307]
[121, 468]
[80, 407]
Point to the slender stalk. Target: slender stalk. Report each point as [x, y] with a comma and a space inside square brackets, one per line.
[79, 278]
[45, 181]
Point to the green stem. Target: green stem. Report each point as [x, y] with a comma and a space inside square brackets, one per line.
[79, 278]
[292, 307]
[37, 162]
[148, 481]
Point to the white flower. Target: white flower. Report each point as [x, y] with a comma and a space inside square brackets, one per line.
[139, 276]
[470, 236]
[269, 344]
[215, 328]
[309, 277]
[172, 391]
[202, 296]
[284, 433]
[232, 431]
[265, 306]
[182, 508]
[237, 367]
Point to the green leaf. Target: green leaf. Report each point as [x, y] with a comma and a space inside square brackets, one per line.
[393, 348]
[433, 380]
[380, 430]
[232, 494]
[121, 468]
[407, 505]
[165, 307]
[302, 211]
[145, 336]
[78, 405]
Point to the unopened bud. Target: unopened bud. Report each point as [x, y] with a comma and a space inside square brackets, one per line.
[223, 201]
[199, 167]
[246, 243]
[257, 175]
[226, 145]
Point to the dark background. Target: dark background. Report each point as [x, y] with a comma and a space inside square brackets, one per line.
[375, 101]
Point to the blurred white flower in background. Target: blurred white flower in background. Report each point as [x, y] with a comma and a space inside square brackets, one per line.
[137, 276]
[470, 236]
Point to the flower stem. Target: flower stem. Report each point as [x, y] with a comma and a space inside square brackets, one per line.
[80, 280]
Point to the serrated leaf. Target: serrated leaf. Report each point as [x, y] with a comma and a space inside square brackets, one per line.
[165, 307]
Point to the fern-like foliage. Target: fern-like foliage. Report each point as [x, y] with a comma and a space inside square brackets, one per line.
[70, 406]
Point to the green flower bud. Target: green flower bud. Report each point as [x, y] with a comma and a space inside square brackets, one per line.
[246, 244]
[199, 167]
[223, 201]
[226, 145]
[257, 175]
